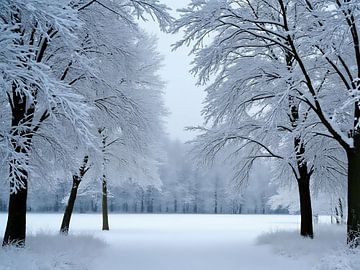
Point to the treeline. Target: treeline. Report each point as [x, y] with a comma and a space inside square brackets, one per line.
[134, 199]
[151, 200]
[185, 188]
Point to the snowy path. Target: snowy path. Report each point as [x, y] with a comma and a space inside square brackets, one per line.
[180, 242]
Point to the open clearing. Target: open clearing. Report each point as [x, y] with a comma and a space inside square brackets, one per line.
[158, 242]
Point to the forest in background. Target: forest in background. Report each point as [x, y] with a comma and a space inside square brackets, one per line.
[186, 187]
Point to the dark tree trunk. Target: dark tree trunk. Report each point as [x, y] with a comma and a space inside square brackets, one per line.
[175, 206]
[353, 224]
[64, 229]
[105, 216]
[15, 232]
[215, 203]
[353, 155]
[303, 179]
[306, 228]
[23, 111]
[65, 224]
[216, 210]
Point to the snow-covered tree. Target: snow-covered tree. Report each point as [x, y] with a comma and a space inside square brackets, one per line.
[269, 71]
[126, 93]
[40, 107]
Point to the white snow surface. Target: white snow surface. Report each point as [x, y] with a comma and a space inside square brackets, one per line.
[328, 251]
[178, 242]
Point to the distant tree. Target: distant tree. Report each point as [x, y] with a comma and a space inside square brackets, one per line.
[184, 184]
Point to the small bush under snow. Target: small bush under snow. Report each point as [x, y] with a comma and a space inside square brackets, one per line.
[327, 251]
[47, 252]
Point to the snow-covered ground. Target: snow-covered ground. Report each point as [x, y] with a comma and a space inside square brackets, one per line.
[176, 242]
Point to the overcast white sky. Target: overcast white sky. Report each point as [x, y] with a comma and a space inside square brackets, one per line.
[182, 98]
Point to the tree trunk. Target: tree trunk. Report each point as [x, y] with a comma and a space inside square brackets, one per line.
[215, 203]
[306, 228]
[15, 232]
[64, 229]
[23, 110]
[105, 216]
[353, 224]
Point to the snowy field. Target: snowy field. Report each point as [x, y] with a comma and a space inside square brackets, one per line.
[179, 242]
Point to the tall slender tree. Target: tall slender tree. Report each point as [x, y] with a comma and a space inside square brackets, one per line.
[124, 90]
